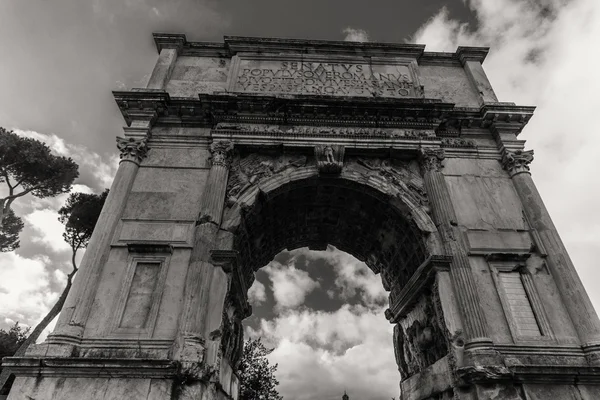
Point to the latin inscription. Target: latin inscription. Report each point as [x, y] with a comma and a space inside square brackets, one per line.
[326, 78]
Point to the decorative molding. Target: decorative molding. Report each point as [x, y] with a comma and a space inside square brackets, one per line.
[431, 158]
[132, 149]
[330, 158]
[91, 367]
[221, 152]
[229, 260]
[516, 162]
[401, 303]
[150, 248]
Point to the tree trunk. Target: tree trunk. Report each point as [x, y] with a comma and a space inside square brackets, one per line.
[33, 337]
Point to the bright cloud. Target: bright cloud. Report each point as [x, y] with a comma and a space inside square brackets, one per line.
[257, 293]
[355, 35]
[25, 292]
[93, 168]
[290, 285]
[541, 55]
[347, 349]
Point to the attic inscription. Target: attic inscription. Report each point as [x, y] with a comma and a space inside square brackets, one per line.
[326, 78]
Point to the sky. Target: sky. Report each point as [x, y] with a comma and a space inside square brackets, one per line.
[321, 311]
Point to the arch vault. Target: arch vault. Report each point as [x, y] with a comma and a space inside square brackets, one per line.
[401, 157]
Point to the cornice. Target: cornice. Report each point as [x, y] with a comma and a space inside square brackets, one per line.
[169, 41]
[369, 112]
[91, 367]
[467, 53]
[233, 45]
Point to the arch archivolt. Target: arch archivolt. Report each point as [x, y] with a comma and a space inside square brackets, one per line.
[276, 191]
[373, 208]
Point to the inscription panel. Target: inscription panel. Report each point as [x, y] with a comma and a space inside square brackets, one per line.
[371, 77]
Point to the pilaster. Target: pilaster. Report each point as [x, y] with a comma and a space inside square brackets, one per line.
[574, 296]
[203, 278]
[75, 313]
[169, 48]
[444, 217]
[471, 59]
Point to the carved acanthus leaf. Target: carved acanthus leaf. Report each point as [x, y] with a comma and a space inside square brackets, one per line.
[431, 158]
[516, 161]
[221, 152]
[134, 149]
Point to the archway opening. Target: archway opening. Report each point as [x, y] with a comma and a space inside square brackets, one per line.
[320, 211]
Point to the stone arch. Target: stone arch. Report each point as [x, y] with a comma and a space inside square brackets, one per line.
[299, 207]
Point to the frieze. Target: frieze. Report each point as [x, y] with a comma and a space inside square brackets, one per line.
[249, 170]
[420, 339]
[399, 174]
[327, 131]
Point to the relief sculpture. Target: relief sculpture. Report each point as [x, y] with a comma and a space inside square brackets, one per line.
[419, 340]
[251, 169]
[398, 175]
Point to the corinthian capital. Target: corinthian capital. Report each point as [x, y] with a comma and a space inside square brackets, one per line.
[516, 161]
[221, 152]
[431, 159]
[132, 149]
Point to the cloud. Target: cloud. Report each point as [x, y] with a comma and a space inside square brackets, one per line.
[48, 229]
[350, 349]
[353, 277]
[25, 288]
[540, 55]
[257, 294]
[94, 169]
[290, 285]
[355, 35]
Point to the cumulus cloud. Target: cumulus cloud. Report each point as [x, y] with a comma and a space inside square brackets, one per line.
[331, 351]
[48, 229]
[94, 169]
[536, 59]
[257, 293]
[353, 277]
[25, 292]
[290, 285]
[355, 35]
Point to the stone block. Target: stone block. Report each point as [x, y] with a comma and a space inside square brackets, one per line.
[449, 84]
[485, 242]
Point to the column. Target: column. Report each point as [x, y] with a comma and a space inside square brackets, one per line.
[163, 68]
[561, 267]
[72, 319]
[474, 322]
[205, 283]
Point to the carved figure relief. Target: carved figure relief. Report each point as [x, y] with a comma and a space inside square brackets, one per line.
[419, 339]
[232, 335]
[330, 158]
[251, 169]
[400, 175]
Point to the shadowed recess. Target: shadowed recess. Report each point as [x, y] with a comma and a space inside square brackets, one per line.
[319, 211]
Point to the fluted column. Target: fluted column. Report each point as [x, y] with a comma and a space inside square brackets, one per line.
[202, 277]
[474, 322]
[561, 267]
[76, 310]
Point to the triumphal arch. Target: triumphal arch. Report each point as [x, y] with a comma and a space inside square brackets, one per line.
[404, 158]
